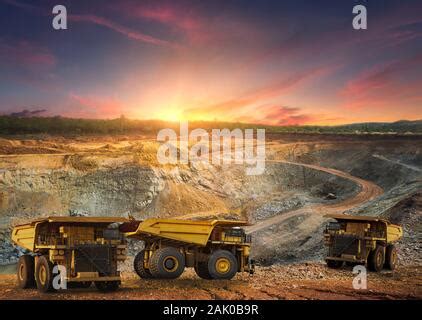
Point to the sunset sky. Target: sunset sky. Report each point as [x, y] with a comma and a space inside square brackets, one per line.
[270, 62]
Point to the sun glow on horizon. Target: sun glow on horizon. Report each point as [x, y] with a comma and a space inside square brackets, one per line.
[177, 114]
[172, 114]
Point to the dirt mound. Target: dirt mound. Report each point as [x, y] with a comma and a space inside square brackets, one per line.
[80, 162]
[177, 199]
[408, 214]
[9, 146]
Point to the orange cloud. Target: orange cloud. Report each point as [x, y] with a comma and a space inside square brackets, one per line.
[94, 107]
[233, 108]
[189, 22]
[381, 85]
[280, 116]
[181, 19]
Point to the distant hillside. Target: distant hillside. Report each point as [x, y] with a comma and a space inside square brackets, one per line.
[401, 126]
[10, 125]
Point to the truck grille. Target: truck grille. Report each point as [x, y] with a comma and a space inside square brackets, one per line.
[343, 244]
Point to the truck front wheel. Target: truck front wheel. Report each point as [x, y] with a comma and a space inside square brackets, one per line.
[167, 263]
[44, 274]
[376, 259]
[25, 272]
[390, 257]
[138, 265]
[201, 270]
[222, 264]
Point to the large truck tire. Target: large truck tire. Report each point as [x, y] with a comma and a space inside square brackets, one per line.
[26, 272]
[201, 270]
[390, 257]
[44, 274]
[376, 259]
[138, 265]
[222, 264]
[167, 263]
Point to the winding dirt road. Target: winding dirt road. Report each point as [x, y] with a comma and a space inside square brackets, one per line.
[368, 191]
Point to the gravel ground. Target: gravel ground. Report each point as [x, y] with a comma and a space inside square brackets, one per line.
[301, 281]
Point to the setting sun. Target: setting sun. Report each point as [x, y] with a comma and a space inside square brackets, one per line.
[173, 114]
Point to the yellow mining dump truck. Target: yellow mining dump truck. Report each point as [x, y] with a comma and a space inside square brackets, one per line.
[361, 240]
[87, 250]
[216, 249]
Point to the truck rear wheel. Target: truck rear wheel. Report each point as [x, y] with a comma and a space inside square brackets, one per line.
[138, 265]
[334, 264]
[107, 286]
[25, 272]
[44, 274]
[222, 264]
[376, 259]
[390, 257]
[167, 263]
[202, 270]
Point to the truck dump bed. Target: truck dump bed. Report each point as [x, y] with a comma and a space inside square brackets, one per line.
[186, 231]
[393, 232]
[25, 235]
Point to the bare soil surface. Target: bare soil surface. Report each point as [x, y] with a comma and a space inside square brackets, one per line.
[293, 282]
